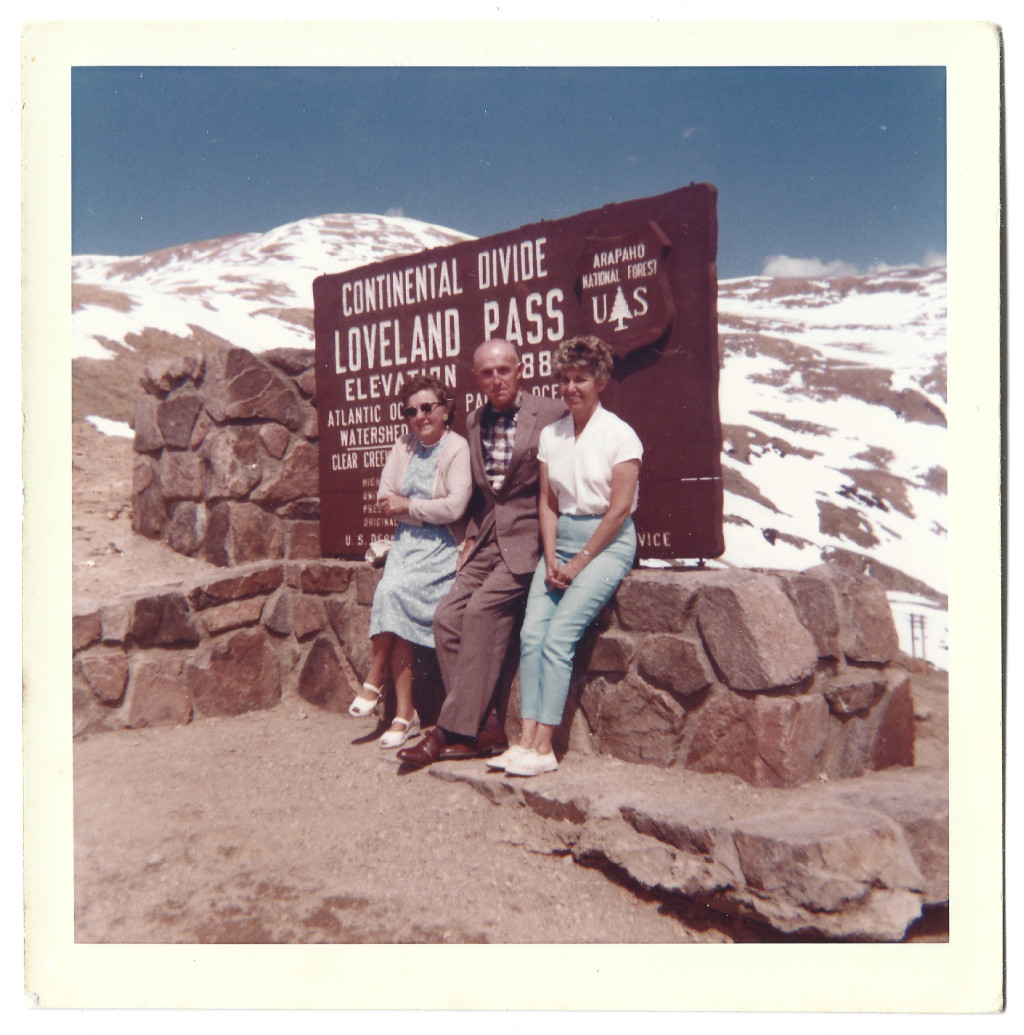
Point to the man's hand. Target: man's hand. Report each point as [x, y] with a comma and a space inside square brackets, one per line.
[464, 551]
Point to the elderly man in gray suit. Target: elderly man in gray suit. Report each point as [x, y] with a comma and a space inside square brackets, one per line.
[474, 623]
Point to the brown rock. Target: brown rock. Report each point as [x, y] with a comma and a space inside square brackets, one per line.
[107, 675]
[893, 743]
[356, 638]
[814, 600]
[204, 423]
[753, 635]
[85, 630]
[918, 800]
[148, 438]
[240, 387]
[674, 663]
[306, 384]
[842, 872]
[277, 613]
[303, 540]
[115, 619]
[176, 417]
[723, 739]
[301, 510]
[181, 475]
[366, 583]
[83, 706]
[867, 631]
[639, 723]
[853, 691]
[322, 680]
[296, 478]
[789, 737]
[235, 615]
[241, 673]
[335, 607]
[233, 465]
[307, 617]
[611, 656]
[239, 533]
[291, 361]
[260, 579]
[149, 511]
[656, 601]
[275, 439]
[326, 576]
[163, 620]
[187, 528]
[159, 694]
[162, 374]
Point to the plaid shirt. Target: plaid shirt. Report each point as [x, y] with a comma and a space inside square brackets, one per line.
[498, 436]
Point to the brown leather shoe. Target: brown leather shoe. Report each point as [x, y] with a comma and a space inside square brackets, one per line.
[427, 751]
[490, 741]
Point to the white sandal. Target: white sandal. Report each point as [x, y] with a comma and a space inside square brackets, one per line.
[396, 738]
[364, 705]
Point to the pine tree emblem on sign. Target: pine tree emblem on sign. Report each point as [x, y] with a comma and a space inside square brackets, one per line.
[624, 294]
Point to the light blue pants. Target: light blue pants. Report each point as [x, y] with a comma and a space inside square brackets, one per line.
[556, 619]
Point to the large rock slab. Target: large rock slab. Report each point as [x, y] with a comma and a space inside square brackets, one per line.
[232, 462]
[240, 386]
[159, 695]
[867, 630]
[814, 600]
[841, 861]
[176, 417]
[238, 673]
[323, 680]
[753, 634]
[650, 601]
[239, 533]
[674, 663]
[637, 722]
[773, 741]
[163, 620]
[839, 872]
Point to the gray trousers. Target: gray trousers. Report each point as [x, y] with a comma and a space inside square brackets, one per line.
[473, 626]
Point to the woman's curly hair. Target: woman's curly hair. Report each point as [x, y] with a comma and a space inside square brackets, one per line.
[586, 352]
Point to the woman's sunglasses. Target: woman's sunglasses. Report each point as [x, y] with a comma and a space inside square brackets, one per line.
[410, 411]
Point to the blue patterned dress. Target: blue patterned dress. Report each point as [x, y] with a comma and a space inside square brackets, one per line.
[420, 567]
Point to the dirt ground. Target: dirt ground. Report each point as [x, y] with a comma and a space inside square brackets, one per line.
[292, 825]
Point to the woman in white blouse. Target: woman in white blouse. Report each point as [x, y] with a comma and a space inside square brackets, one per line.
[589, 470]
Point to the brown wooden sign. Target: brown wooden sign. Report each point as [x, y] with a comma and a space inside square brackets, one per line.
[640, 274]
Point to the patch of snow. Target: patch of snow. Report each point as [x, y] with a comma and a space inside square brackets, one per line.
[116, 428]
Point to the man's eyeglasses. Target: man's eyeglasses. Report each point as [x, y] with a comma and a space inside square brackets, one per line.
[410, 411]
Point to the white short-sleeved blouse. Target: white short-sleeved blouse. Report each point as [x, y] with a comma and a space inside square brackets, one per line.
[580, 470]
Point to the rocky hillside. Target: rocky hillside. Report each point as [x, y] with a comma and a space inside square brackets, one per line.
[833, 390]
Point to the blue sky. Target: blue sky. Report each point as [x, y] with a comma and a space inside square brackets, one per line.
[842, 165]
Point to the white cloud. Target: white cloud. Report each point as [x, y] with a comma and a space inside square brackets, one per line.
[785, 266]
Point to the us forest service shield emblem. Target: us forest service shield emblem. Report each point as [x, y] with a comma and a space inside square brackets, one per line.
[625, 297]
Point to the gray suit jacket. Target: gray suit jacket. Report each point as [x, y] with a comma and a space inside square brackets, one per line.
[512, 511]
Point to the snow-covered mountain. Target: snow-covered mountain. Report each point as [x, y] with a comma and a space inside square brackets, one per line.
[832, 395]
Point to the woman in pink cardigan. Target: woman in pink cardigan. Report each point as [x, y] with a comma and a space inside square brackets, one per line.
[425, 485]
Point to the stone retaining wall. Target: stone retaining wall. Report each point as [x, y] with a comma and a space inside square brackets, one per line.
[227, 465]
[777, 678]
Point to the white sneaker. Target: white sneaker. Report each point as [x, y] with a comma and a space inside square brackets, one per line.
[532, 764]
[396, 738]
[513, 754]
